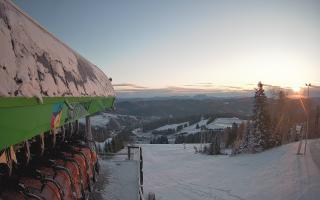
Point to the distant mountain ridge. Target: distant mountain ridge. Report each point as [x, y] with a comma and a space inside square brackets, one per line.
[165, 107]
[198, 96]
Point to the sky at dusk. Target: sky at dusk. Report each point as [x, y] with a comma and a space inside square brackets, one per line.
[187, 45]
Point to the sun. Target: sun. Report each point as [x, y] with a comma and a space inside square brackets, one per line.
[295, 88]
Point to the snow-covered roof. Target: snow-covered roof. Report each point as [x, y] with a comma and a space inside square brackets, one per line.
[33, 62]
[222, 123]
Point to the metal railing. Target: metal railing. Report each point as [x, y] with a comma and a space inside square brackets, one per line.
[140, 160]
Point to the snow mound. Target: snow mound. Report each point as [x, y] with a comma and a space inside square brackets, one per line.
[35, 63]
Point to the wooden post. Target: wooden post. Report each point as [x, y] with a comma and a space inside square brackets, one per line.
[201, 141]
[77, 128]
[141, 169]
[129, 153]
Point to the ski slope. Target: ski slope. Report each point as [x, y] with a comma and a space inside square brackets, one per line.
[218, 124]
[223, 123]
[175, 173]
[192, 129]
[171, 126]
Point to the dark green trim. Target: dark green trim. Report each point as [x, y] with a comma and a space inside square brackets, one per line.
[23, 118]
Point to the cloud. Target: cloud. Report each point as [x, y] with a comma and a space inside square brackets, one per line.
[201, 84]
[203, 87]
[208, 85]
[205, 90]
[124, 86]
[228, 87]
[133, 90]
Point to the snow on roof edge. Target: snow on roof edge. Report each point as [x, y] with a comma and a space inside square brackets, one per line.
[12, 66]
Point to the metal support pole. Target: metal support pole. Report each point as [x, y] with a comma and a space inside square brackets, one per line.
[200, 141]
[308, 116]
[306, 135]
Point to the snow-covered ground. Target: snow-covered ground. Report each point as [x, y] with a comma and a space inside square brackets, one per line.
[118, 178]
[175, 173]
[217, 125]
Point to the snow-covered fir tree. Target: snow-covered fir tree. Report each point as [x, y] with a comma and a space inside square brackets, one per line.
[260, 136]
[247, 134]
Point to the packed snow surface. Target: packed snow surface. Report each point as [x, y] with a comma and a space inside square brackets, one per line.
[34, 63]
[118, 179]
[175, 173]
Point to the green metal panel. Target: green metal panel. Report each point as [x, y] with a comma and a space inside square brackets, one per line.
[23, 118]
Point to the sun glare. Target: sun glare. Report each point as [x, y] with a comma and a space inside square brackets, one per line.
[295, 88]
